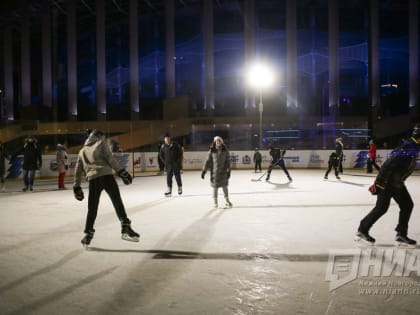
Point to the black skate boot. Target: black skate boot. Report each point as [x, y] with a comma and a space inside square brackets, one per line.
[180, 190]
[128, 234]
[228, 204]
[87, 238]
[168, 192]
[404, 241]
[289, 178]
[364, 238]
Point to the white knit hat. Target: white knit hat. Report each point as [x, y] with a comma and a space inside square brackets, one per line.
[218, 138]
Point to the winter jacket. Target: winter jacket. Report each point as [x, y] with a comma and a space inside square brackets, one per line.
[400, 164]
[257, 157]
[372, 151]
[277, 154]
[94, 160]
[32, 159]
[333, 160]
[171, 155]
[218, 162]
[339, 148]
[61, 158]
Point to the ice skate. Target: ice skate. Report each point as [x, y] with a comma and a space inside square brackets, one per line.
[168, 192]
[338, 177]
[267, 178]
[325, 177]
[290, 179]
[228, 204]
[128, 234]
[25, 188]
[86, 239]
[364, 238]
[404, 241]
[180, 190]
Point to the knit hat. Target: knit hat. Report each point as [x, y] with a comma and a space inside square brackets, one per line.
[218, 138]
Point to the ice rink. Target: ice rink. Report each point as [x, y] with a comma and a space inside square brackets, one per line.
[282, 249]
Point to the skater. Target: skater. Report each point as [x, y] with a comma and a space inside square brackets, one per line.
[32, 161]
[371, 161]
[277, 159]
[218, 162]
[170, 153]
[160, 162]
[339, 150]
[389, 183]
[96, 161]
[62, 164]
[333, 162]
[257, 160]
[3, 157]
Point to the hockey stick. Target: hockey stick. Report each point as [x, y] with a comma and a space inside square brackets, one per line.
[259, 178]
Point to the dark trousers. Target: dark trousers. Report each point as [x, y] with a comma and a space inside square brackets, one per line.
[278, 163]
[372, 162]
[170, 174]
[28, 177]
[96, 186]
[404, 201]
[258, 165]
[340, 164]
[330, 167]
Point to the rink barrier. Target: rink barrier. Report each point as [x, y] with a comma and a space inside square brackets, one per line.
[143, 162]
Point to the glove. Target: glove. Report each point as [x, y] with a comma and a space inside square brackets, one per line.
[66, 167]
[376, 187]
[78, 193]
[125, 176]
[203, 173]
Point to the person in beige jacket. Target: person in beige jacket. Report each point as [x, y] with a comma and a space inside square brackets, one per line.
[96, 162]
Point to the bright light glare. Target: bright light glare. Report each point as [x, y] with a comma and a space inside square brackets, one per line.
[260, 76]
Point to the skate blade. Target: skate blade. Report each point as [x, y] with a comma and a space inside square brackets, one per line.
[362, 242]
[129, 238]
[86, 246]
[405, 245]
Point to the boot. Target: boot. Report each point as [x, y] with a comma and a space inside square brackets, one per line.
[403, 240]
[180, 190]
[365, 238]
[87, 238]
[168, 192]
[215, 205]
[128, 234]
[228, 204]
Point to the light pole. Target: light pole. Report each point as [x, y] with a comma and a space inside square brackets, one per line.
[260, 77]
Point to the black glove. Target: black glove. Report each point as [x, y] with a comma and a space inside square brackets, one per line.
[78, 193]
[376, 187]
[66, 167]
[125, 176]
[203, 173]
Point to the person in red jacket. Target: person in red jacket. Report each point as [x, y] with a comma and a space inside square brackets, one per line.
[371, 161]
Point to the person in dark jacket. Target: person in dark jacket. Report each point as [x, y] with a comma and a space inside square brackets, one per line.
[32, 161]
[218, 162]
[3, 157]
[333, 162]
[339, 151]
[96, 162]
[257, 158]
[277, 160]
[171, 154]
[389, 183]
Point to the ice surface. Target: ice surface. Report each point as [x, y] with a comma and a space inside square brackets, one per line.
[269, 254]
